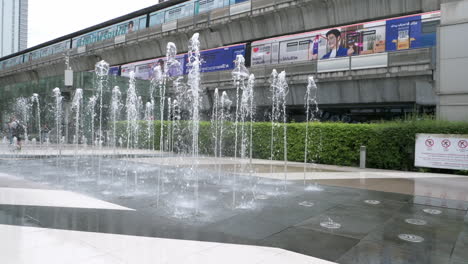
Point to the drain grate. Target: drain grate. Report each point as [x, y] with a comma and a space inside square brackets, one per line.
[418, 222]
[432, 211]
[330, 225]
[372, 202]
[411, 238]
[306, 204]
[261, 197]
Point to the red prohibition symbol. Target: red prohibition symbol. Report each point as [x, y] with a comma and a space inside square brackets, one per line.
[429, 142]
[446, 143]
[463, 144]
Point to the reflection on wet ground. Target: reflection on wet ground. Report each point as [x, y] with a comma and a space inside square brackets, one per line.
[393, 220]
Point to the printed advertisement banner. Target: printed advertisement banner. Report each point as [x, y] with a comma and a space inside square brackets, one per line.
[219, 59]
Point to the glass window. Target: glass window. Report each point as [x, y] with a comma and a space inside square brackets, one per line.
[304, 45]
[157, 18]
[142, 23]
[430, 26]
[291, 47]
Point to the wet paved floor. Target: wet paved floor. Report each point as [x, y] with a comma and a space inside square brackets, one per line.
[369, 231]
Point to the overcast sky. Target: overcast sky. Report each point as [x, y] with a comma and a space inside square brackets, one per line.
[50, 19]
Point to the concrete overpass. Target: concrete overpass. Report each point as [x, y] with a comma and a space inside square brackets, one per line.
[220, 27]
[405, 82]
[407, 79]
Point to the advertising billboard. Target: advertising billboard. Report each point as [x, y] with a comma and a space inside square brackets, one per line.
[219, 59]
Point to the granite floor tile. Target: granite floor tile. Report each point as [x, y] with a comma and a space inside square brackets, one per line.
[310, 242]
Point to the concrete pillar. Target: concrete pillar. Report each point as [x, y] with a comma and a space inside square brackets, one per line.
[452, 62]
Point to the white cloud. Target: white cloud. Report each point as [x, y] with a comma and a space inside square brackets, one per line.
[50, 19]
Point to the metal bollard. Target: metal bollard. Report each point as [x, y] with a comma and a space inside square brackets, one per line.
[363, 157]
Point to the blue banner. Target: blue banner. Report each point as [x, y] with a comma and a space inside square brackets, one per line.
[407, 33]
[219, 59]
[114, 70]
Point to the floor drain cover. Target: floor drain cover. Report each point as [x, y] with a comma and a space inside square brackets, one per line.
[373, 202]
[411, 238]
[107, 192]
[416, 222]
[330, 225]
[224, 190]
[306, 204]
[432, 211]
[314, 188]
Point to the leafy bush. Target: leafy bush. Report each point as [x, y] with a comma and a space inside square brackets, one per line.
[390, 145]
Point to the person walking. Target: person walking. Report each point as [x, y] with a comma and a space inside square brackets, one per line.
[17, 131]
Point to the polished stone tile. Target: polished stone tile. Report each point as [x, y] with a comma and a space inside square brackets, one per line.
[370, 252]
[228, 254]
[41, 197]
[460, 252]
[440, 202]
[437, 240]
[447, 215]
[50, 247]
[313, 243]
[76, 247]
[102, 259]
[356, 221]
[291, 257]
[373, 195]
[292, 213]
[247, 226]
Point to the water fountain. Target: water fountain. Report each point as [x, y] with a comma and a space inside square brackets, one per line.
[131, 107]
[193, 195]
[274, 116]
[91, 113]
[23, 111]
[77, 106]
[115, 108]
[149, 124]
[58, 116]
[193, 82]
[247, 115]
[172, 66]
[240, 74]
[312, 111]
[282, 92]
[102, 72]
[215, 122]
[169, 137]
[160, 84]
[35, 99]
[224, 115]
[176, 126]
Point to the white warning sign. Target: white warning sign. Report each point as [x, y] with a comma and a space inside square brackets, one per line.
[441, 151]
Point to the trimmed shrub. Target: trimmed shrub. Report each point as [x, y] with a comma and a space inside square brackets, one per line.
[390, 145]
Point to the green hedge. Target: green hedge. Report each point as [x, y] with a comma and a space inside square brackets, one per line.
[390, 145]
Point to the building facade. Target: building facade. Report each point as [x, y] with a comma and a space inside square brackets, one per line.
[13, 26]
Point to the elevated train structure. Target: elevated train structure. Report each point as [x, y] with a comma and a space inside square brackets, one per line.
[379, 68]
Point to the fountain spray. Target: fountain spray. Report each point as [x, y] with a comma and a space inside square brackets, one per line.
[115, 109]
[102, 71]
[282, 93]
[35, 98]
[194, 66]
[239, 75]
[312, 110]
